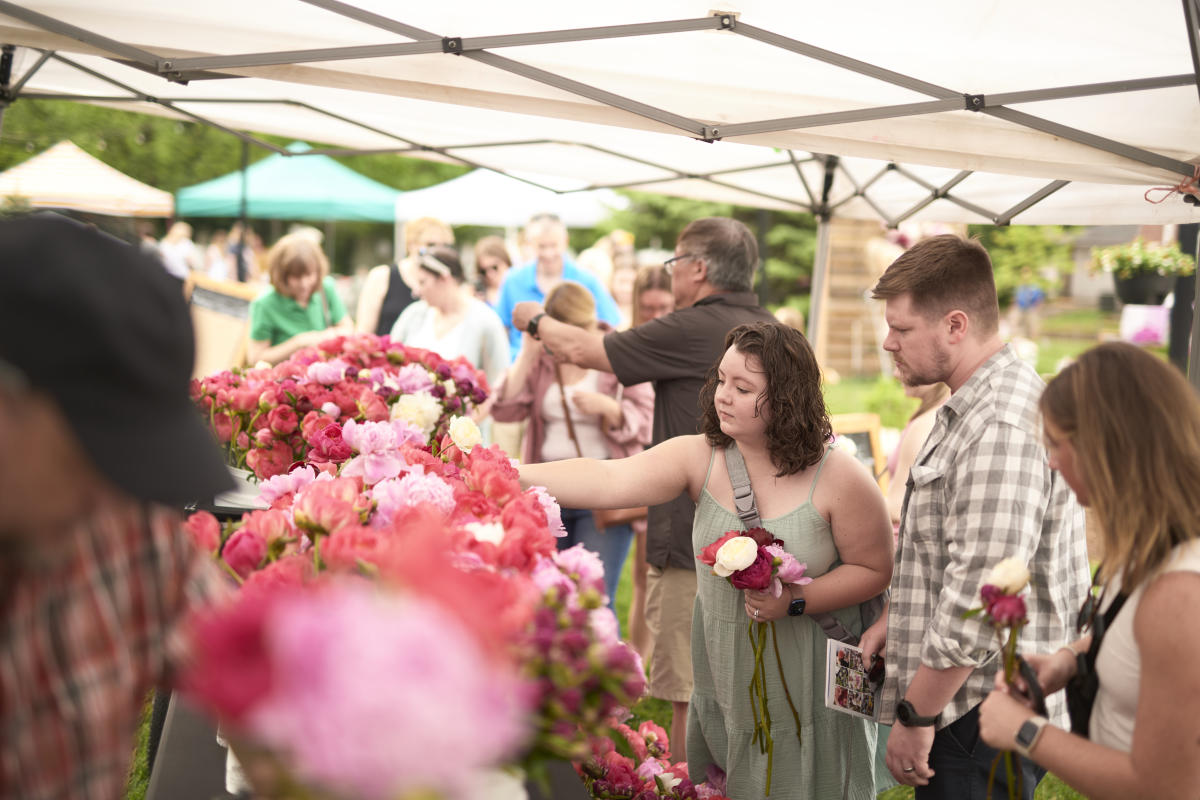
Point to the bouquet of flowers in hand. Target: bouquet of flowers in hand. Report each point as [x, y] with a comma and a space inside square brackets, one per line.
[457, 526]
[270, 418]
[1004, 609]
[642, 768]
[754, 559]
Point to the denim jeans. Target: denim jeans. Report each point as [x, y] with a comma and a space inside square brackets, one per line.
[962, 762]
[611, 544]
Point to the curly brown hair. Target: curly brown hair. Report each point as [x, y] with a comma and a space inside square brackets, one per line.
[798, 429]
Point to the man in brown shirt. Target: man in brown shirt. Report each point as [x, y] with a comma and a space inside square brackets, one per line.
[712, 276]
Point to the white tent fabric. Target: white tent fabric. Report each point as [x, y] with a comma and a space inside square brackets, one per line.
[63, 176]
[483, 197]
[629, 107]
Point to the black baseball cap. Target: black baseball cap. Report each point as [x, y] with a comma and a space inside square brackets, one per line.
[99, 326]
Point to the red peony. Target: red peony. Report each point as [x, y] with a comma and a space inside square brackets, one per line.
[328, 445]
[709, 554]
[756, 576]
[282, 420]
[1007, 610]
[269, 462]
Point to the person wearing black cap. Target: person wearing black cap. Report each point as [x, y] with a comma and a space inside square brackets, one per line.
[99, 444]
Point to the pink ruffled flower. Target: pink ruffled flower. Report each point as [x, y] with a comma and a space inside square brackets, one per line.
[325, 506]
[552, 509]
[1007, 610]
[413, 378]
[284, 486]
[337, 716]
[584, 567]
[603, 624]
[327, 373]
[787, 569]
[412, 490]
[378, 451]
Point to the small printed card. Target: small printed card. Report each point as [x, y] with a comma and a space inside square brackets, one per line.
[847, 688]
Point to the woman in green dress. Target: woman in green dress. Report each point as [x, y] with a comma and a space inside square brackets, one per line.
[764, 397]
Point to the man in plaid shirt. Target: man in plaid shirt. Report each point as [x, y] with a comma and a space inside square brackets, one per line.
[979, 491]
[98, 440]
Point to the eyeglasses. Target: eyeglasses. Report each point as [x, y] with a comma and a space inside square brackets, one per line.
[669, 264]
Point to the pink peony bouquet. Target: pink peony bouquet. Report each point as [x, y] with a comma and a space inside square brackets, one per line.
[297, 411]
[647, 772]
[455, 536]
[1004, 609]
[754, 559]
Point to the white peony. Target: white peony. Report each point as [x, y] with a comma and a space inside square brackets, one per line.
[1009, 576]
[738, 553]
[420, 409]
[465, 433]
[486, 531]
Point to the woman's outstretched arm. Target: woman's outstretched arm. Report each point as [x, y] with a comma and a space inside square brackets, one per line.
[650, 477]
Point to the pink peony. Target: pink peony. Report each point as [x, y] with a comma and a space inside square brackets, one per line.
[411, 490]
[204, 531]
[271, 525]
[328, 445]
[583, 566]
[244, 551]
[327, 373]
[413, 378]
[271, 461]
[278, 490]
[324, 506]
[282, 420]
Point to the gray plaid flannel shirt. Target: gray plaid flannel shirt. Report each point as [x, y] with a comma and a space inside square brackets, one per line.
[979, 491]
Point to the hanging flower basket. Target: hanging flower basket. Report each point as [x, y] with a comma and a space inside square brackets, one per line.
[1143, 273]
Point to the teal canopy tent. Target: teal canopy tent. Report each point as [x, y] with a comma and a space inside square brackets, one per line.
[300, 187]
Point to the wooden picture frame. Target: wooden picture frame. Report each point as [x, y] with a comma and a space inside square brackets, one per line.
[221, 318]
[863, 430]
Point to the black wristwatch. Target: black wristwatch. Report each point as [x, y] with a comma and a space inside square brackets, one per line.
[907, 716]
[532, 327]
[796, 607]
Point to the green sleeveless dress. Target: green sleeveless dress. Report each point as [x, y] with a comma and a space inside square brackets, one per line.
[835, 758]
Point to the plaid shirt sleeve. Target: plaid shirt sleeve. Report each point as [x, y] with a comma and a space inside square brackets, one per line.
[996, 496]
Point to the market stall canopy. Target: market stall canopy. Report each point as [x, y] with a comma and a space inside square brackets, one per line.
[1015, 110]
[284, 186]
[483, 197]
[63, 176]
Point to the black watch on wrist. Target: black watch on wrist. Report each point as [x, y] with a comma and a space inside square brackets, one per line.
[532, 327]
[796, 607]
[907, 716]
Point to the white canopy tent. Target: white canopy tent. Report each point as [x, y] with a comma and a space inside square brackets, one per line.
[63, 176]
[484, 197]
[1015, 111]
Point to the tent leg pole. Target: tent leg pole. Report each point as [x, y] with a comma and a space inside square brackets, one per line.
[6, 62]
[1193, 362]
[820, 273]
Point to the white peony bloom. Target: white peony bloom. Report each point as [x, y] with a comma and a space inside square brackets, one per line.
[1009, 576]
[465, 433]
[420, 409]
[738, 553]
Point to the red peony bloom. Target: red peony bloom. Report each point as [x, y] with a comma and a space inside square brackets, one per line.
[1007, 609]
[282, 420]
[757, 575]
[709, 554]
[244, 551]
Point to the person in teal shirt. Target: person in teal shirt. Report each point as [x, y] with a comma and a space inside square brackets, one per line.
[301, 308]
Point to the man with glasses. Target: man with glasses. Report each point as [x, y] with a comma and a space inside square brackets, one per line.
[546, 235]
[712, 277]
[99, 443]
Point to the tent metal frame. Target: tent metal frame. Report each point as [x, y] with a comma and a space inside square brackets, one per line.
[479, 49]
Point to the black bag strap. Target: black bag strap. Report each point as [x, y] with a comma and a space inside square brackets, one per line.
[747, 511]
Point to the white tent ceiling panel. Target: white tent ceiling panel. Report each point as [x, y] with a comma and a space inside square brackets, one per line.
[935, 50]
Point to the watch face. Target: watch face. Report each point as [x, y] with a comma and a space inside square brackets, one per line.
[796, 607]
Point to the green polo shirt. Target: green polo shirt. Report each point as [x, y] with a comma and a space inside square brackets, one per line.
[276, 318]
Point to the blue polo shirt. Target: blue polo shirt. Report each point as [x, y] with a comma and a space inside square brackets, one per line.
[520, 284]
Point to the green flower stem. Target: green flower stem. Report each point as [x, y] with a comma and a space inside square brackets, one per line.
[787, 694]
[229, 569]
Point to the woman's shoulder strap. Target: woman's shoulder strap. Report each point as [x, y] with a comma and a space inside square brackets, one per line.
[820, 466]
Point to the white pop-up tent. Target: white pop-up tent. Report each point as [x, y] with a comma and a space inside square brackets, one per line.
[484, 197]
[991, 111]
[64, 176]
